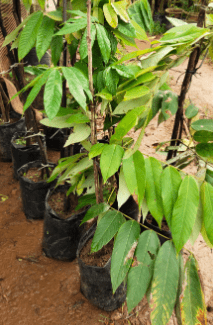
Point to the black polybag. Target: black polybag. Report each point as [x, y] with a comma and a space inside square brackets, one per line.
[61, 236]
[33, 193]
[96, 281]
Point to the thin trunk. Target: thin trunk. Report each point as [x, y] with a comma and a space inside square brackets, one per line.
[191, 69]
[97, 174]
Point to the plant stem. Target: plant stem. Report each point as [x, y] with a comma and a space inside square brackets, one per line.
[97, 175]
[191, 69]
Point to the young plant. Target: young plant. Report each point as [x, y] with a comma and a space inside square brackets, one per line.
[127, 93]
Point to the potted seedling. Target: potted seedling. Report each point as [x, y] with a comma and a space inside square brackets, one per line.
[125, 91]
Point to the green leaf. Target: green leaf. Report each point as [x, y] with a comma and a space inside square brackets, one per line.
[123, 251]
[204, 150]
[140, 32]
[120, 9]
[136, 92]
[96, 150]
[105, 94]
[207, 205]
[98, 13]
[36, 88]
[123, 71]
[75, 86]
[209, 176]
[153, 188]
[206, 125]
[112, 80]
[123, 191]
[164, 284]
[56, 47]
[191, 111]
[126, 124]
[94, 211]
[73, 27]
[44, 36]
[59, 122]
[41, 4]
[55, 15]
[170, 183]
[110, 15]
[185, 211]
[9, 38]
[176, 22]
[110, 160]
[135, 54]
[78, 118]
[139, 276]
[81, 132]
[203, 136]
[198, 223]
[106, 229]
[135, 175]
[193, 310]
[205, 237]
[53, 94]
[125, 39]
[127, 29]
[83, 47]
[29, 34]
[103, 42]
[179, 291]
[124, 106]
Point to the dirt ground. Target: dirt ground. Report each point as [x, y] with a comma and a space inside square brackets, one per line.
[37, 290]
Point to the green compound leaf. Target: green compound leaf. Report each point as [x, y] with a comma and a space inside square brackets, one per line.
[185, 211]
[207, 204]
[140, 275]
[106, 229]
[193, 310]
[103, 42]
[164, 284]
[53, 94]
[110, 160]
[170, 182]
[29, 34]
[123, 251]
[153, 188]
[135, 175]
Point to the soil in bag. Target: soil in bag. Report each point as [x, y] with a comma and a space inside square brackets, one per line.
[95, 279]
[62, 230]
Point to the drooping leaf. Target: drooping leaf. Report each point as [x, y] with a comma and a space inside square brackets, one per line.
[122, 255]
[135, 175]
[94, 211]
[110, 15]
[185, 211]
[170, 183]
[112, 79]
[75, 86]
[56, 46]
[106, 229]
[73, 27]
[9, 38]
[136, 92]
[193, 310]
[207, 205]
[191, 111]
[83, 47]
[36, 88]
[120, 9]
[81, 132]
[153, 188]
[96, 150]
[55, 15]
[103, 42]
[164, 284]
[180, 285]
[139, 276]
[126, 124]
[29, 34]
[203, 136]
[205, 125]
[123, 191]
[125, 39]
[127, 29]
[44, 36]
[53, 94]
[110, 160]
